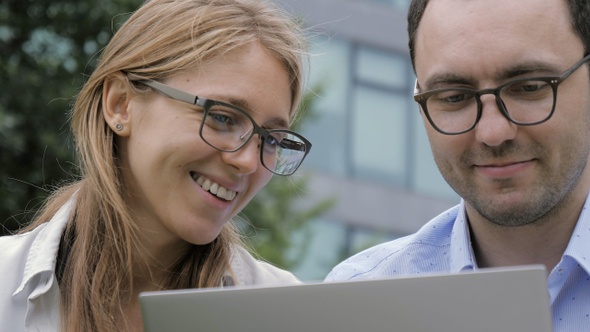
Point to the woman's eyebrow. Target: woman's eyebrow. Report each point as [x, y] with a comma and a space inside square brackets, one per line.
[274, 122]
[240, 103]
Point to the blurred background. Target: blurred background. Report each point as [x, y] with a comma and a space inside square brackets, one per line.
[369, 178]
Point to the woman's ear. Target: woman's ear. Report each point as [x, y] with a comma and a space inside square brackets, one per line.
[116, 97]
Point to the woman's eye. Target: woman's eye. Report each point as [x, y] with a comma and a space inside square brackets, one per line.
[222, 121]
[272, 141]
[221, 118]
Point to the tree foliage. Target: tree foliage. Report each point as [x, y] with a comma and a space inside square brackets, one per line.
[45, 47]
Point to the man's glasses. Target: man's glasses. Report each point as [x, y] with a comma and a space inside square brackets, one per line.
[227, 128]
[524, 101]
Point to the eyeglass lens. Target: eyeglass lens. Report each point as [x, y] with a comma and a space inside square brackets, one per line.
[228, 129]
[526, 102]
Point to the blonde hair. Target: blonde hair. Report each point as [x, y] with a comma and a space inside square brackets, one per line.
[161, 38]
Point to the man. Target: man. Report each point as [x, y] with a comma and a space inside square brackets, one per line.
[504, 91]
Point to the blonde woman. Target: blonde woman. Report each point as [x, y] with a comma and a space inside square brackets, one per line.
[183, 121]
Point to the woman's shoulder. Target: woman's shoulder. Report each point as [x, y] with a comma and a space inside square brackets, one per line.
[251, 271]
[17, 244]
[22, 256]
[34, 250]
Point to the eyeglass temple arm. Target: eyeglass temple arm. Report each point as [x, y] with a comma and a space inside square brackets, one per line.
[171, 92]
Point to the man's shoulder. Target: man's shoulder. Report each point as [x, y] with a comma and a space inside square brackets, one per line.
[426, 251]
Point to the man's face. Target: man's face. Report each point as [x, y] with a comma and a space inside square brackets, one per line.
[511, 175]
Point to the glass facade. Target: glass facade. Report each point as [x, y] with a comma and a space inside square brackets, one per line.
[398, 4]
[379, 116]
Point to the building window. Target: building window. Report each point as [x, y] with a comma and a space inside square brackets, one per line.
[379, 136]
[378, 121]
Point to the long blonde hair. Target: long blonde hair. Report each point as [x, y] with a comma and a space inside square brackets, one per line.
[161, 38]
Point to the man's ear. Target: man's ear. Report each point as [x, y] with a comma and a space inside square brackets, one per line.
[116, 97]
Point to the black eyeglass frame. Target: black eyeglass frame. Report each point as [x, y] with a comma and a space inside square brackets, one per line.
[553, 81]
[206, 104]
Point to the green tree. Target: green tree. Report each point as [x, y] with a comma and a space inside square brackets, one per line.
[44, 50]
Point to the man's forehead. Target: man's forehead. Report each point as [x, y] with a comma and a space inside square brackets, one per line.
[460, 36]
[483, 13]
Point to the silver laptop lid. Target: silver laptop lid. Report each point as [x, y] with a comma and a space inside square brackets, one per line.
[501, 299]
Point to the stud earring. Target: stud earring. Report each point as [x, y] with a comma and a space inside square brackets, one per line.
[119, 126]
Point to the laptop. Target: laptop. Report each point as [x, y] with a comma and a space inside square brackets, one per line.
[495, 299]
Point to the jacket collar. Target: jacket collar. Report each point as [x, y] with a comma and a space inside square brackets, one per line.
[43, 252]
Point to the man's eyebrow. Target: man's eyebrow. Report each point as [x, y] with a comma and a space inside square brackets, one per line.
[444, 80]
[536, 68]
[530, 68]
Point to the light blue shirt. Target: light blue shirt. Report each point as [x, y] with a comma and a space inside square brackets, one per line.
[443, 246]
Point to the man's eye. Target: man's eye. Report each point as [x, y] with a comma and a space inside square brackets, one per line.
[528, 90]
[451, 97]
[528, 86]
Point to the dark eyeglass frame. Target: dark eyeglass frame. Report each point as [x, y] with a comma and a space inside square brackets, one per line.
[264, 134]
[553, 81]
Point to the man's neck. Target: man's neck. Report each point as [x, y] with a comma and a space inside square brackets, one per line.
[542, 242]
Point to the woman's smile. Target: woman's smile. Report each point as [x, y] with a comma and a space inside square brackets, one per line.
[213, 187]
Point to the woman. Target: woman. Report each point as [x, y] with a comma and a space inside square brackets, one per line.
[182, 122]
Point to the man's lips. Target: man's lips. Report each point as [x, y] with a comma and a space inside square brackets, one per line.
[504, 170]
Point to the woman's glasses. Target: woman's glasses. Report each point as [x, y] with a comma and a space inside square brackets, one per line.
[228, 128]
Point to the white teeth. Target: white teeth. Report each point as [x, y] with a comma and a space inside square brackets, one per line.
[200, 180]
[215, 189]
[220, 192]
[207, 184]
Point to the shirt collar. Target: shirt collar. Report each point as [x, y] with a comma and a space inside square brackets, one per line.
[579, 245]
[43, 252]
[462, 257]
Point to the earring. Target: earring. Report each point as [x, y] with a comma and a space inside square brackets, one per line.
[119, 126]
